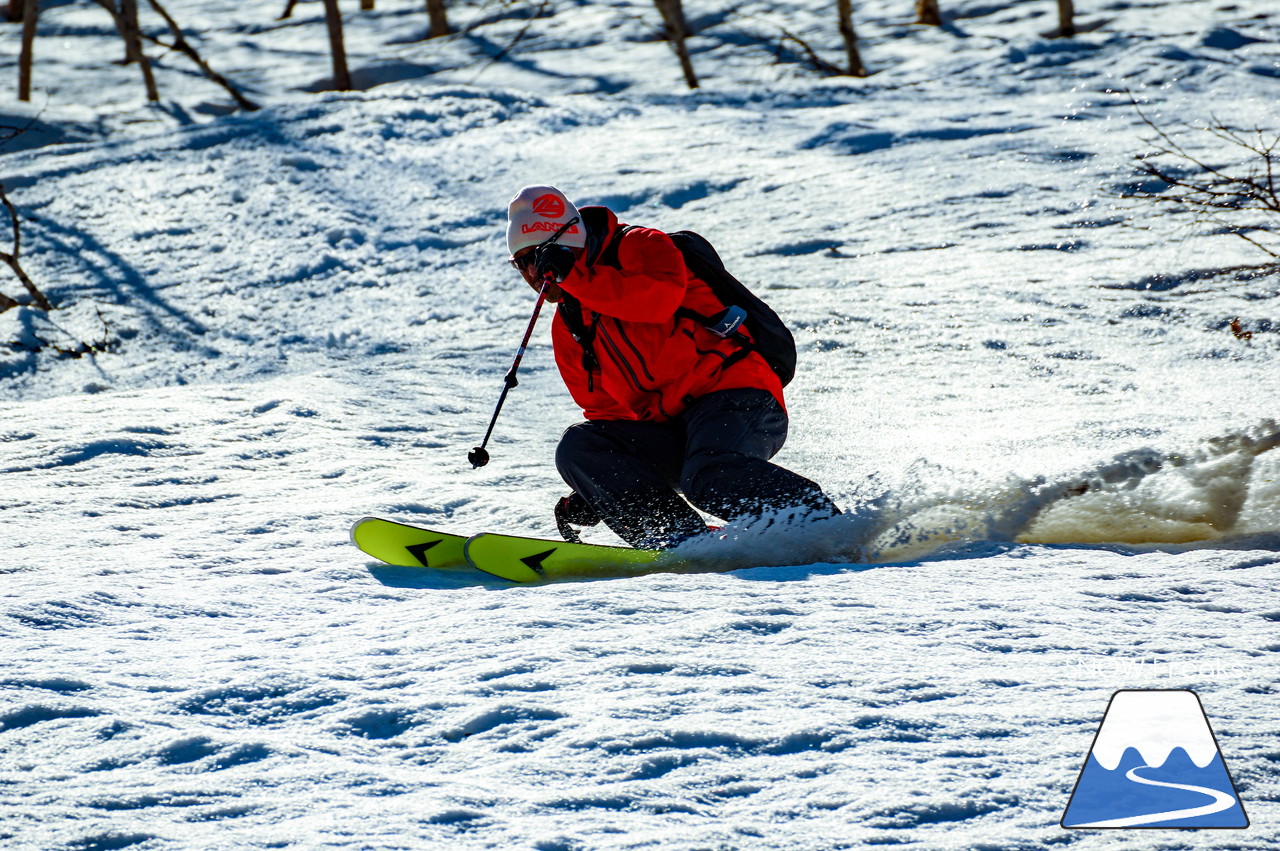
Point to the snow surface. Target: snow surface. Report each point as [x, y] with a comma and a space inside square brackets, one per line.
[1154, 723]
[1030, 386]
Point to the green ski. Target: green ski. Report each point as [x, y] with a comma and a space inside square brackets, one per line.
[514, 558]
[408, 546]
[540, 560]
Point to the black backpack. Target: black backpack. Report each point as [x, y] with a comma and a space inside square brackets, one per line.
[769, 334]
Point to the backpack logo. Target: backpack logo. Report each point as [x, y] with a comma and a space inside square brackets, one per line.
[1154, 763]
[548, 206]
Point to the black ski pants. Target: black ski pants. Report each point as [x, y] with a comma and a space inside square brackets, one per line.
[716, 453]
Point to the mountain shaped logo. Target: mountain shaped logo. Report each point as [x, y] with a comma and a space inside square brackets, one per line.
[1155, 763]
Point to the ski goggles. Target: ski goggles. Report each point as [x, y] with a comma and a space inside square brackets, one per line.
[520, 262]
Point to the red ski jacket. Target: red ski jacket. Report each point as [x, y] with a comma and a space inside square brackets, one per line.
[645, 362]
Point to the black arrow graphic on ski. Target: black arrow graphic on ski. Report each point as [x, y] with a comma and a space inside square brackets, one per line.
[534, 562]
[419, 551]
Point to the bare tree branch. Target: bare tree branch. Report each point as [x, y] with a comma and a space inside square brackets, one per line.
[126, 19]
[1240, 198]
[181, 44]
[812, 55]
[1255, 243]
[105, 342]
[11, 259]
[514, 41]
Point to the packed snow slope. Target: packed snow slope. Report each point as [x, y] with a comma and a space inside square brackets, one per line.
[1061, 459]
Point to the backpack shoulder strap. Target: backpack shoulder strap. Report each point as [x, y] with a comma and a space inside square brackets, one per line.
[570, 310]
[609, 254]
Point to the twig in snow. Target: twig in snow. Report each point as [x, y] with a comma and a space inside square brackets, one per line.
[77, 349]
[1221, 196]
[514, 41]
[812, 55]
[11, 259]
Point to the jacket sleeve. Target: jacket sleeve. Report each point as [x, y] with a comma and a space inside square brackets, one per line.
[648, 288]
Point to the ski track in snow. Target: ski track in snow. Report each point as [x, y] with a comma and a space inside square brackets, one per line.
[1221, 801]
[1068, 462]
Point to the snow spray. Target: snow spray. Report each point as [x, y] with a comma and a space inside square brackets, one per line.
[1228, 486]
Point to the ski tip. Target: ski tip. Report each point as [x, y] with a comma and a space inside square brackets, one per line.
[356, 525]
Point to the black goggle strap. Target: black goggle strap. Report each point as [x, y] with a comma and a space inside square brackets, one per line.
[555, 237]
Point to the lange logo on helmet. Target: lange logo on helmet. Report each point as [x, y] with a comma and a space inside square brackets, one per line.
[549, 206]
[552, 227]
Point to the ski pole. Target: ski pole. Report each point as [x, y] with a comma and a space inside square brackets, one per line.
[480, 456]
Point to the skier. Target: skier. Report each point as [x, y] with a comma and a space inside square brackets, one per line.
[669, 404]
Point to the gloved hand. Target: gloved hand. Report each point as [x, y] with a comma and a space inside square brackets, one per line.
[574, 509]
[554, 259]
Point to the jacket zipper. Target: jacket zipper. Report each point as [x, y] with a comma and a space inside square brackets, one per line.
[639, 357]
[621, 360]
[590, 363]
